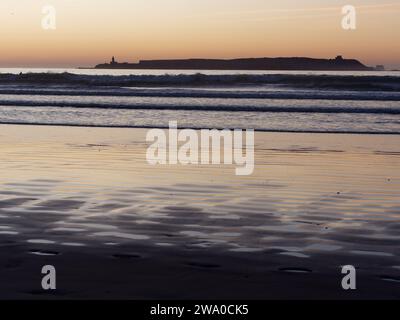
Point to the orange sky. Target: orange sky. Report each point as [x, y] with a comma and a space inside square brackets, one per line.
[91, 31]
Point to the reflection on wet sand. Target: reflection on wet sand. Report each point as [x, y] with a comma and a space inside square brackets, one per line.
[314, 202]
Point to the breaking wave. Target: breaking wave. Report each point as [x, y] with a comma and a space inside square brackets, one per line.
[206, 93]
[216, 108]
[347, 82]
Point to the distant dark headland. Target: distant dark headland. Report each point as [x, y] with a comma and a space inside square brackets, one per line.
[296, 63]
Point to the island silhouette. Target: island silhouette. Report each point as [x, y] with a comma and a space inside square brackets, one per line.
[295, 63]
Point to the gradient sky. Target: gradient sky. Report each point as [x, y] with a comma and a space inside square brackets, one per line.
[91, 31]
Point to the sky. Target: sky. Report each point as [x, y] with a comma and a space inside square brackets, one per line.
[91, 31]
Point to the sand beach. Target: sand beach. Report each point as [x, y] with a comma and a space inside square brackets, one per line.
[86, 201]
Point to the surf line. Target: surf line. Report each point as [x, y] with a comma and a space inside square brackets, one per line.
[205, 147]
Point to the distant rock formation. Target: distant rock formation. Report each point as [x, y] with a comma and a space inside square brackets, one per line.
[295, 63]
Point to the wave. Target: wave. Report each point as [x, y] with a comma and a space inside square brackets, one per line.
[204, 93]
[215, 108]
[342, 82]
[66, 124]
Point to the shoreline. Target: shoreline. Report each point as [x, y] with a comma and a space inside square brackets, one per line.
[186, 127]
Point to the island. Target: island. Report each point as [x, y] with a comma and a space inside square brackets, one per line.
[295, 63]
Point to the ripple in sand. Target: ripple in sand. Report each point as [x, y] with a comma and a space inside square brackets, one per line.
[295, 270]
[372, 253]
[62, 205]
[390, 279]
[195, 234]
[15, 202]
[290, 249]
[111, 243]
[205, 244]
[295, 254]
[127, 236]
[146, 222]
[323, 247]
[99, 226]
[248, 250]
[73, 244]
[227, 234]
[43, 252]
[9, 232]
[68, 229]
[40, 241]
[226, 217]
[164, 244]
[108, 207]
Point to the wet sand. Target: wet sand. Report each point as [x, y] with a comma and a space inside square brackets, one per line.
[86, 201]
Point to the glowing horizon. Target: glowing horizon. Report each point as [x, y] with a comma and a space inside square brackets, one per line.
[91, 31]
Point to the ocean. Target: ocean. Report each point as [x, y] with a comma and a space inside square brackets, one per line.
[279, 101]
